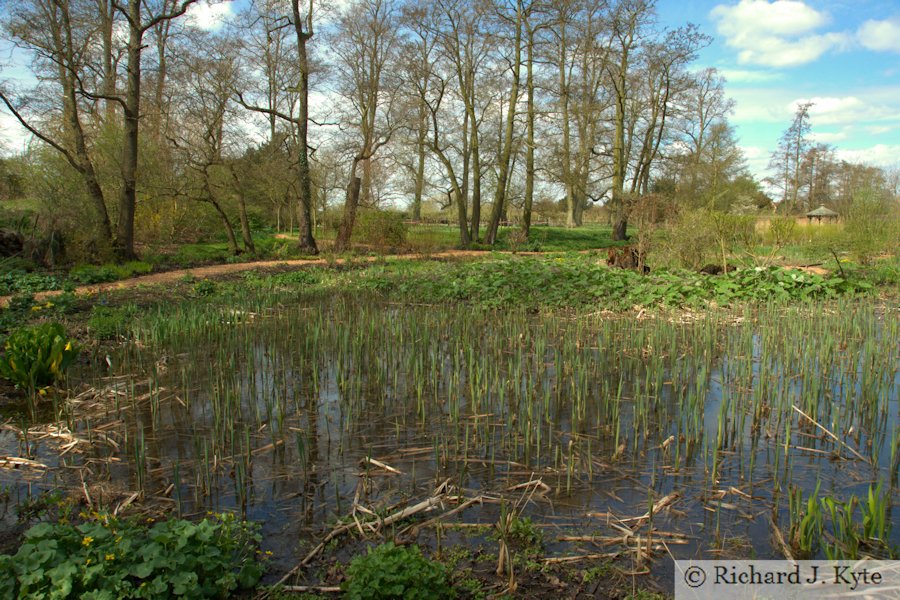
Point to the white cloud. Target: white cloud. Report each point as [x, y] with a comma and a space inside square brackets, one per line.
[12, 135]
[748, 76]
[782, 17]
[877, 106]
[775, 34]
[879, 129]
[881, 36]
[880, 155]
[850, 110]
[208, 15]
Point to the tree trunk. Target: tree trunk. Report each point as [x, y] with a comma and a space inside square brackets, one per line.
[476, 181]
[497, 211]
[620, 221]
[342, 242]
[160, 119]
[564, 110]
[304, 215]
[529, 150]
[124, 243]
[109, 71]
[420, 167]
[246, 234]
[620, 225]
[229, 229]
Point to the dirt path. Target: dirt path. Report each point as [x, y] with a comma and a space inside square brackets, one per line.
[225, 269]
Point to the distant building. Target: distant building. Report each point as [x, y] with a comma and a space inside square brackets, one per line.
[822, 213]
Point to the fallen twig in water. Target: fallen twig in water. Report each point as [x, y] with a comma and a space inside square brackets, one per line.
[439, 496]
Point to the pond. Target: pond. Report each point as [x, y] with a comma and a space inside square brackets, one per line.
[701, 426]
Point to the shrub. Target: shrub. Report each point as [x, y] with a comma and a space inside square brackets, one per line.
[205, 287]
[700, 236]
[380, 228]
[37, 356]
[686, 243]
[110, 558]
[390, 571]
[782, 231]
[872, 226]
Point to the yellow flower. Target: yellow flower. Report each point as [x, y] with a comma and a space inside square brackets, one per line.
[87, 562]
[87, 541]
[35, 308]
[68, 346]
[49, 305]
[110, 557]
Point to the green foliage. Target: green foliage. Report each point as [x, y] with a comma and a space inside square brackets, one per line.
[806, 521]
[37, 356]
[832, 526]
[381, 228]
[575, 281]
[88, 274]
[16, 312]
[601, 571]
[108, 322]
[872, 225]
[523, 531]
[205, 287]
[389, 571]
[111, 558]
[47, 504]
[16, 281]
[303, 277]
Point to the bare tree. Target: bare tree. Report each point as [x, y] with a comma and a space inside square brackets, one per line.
[365, 46]
[506, 144]
[301, 21]
[786, 159]
[629, 21]
[59, 32]
[204, 140]
[417, 64]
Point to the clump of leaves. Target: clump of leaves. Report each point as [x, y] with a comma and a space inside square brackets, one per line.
[389, 571]
[526, 532]
[105, 557]
[87, 274]
[205, 287]
[17, 281]
[37, 356]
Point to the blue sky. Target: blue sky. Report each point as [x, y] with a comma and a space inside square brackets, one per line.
[843, 55]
